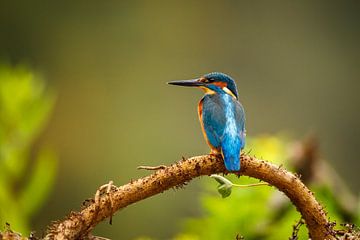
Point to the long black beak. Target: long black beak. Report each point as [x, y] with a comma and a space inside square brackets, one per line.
[187, 83]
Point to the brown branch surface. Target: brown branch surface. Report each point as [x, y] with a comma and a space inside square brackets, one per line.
[78, 225]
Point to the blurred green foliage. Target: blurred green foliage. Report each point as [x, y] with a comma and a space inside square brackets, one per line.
[26, 172]
[256, 213]
[296, 64]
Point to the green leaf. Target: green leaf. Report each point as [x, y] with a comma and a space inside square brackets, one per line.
[25, 106]
[221, 179]
[224, 190]
[225, 185]
[39, 185]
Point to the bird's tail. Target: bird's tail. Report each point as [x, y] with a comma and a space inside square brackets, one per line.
[231, 153]
[232, 163]
[231, 159]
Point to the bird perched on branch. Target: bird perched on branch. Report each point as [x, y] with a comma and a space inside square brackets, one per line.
[221, 116]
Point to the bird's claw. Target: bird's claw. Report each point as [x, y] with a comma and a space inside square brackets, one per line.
[215, 153]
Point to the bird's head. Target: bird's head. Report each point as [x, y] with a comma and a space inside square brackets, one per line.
[211, 83]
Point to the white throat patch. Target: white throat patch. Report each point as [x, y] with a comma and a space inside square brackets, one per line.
[225, 89]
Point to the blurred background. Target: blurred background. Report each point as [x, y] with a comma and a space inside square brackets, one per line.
[94, 74]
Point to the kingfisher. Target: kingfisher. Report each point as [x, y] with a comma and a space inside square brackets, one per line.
[221, 115]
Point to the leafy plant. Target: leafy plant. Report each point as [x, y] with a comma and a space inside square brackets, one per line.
[26, 173]
[226, 185]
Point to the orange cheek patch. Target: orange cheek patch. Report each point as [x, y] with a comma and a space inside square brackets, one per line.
[220, 84]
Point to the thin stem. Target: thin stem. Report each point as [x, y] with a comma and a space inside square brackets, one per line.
[250, 185]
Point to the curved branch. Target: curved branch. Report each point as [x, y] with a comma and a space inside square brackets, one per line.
[79, 224]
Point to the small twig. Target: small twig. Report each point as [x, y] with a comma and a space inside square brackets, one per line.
[108, 189]
[100, 192]
[296, 229]
[91, 237]
[239, 237]
[152, 168]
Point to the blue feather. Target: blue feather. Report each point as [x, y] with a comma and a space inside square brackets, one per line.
[224, 124]
[221, 116]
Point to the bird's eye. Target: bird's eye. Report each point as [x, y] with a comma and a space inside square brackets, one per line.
[206, 80]
[203, 80]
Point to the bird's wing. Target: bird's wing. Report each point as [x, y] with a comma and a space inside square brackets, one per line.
[240, 121]
[224, 131]
[233, 139]
[213, 120]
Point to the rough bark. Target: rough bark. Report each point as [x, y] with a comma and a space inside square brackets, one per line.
[78, 225]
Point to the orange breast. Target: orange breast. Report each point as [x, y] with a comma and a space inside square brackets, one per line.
[200, 112]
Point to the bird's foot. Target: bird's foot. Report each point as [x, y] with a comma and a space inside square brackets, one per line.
[215, 153]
